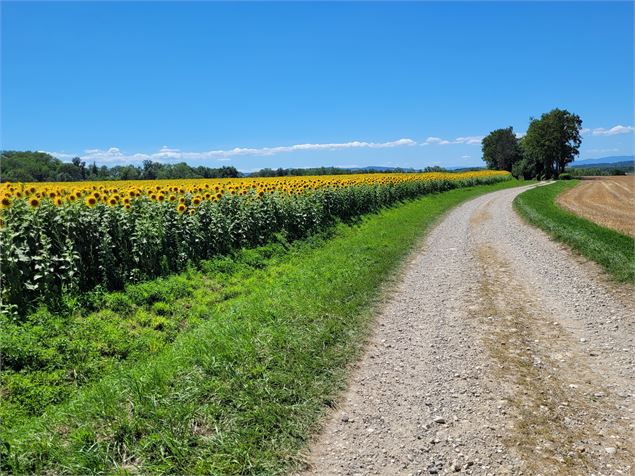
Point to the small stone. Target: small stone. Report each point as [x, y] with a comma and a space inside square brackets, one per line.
[439, 420]
[610, 450]
[345, 418]
[433, 470]
[456, 467]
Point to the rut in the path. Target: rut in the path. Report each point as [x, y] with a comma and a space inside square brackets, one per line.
[499, 353]
[566, 421]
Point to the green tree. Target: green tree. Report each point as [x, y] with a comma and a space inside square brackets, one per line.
[501, 149]
[552, 142]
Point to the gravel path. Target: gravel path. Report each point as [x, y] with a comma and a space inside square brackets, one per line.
[498, 353]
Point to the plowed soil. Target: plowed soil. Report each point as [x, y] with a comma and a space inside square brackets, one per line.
[608, 201]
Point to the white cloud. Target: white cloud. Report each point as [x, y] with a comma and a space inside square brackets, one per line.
[615, 130]
[168, 154]
[435, 140]
[466, 156]
[470, 140]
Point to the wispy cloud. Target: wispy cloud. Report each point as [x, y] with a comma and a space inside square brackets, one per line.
[114, 155]
[470, 140]
[168, 154]
[615, 130]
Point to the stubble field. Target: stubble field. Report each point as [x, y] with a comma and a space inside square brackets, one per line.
[608, 201]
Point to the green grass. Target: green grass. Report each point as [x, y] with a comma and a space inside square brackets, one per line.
[611, 249]
[264, 350]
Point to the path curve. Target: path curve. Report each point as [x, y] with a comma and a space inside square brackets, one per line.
[499, 352]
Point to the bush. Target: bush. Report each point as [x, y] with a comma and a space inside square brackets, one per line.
[565, 176]
[523, 169]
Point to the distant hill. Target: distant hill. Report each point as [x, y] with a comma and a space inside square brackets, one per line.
[626, 164]
[604, 160]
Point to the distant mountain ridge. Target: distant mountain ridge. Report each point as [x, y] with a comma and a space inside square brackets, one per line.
[603, 160]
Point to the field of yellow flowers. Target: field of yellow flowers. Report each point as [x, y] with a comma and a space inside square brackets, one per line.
[64, 238]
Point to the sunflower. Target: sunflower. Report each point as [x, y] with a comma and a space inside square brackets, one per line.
[196, 200]
[192, 211]
[6, 201]
[112, 201]
[58, 201]
[172, 197]
[181, 208]
[91, 200]
[34, 202]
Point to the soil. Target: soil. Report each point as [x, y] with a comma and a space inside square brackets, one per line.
[608, 201]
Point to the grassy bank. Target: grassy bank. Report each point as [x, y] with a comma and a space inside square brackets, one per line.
[236, 361]
[611, 249]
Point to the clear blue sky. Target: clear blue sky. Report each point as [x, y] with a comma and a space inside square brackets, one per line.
[251, 84]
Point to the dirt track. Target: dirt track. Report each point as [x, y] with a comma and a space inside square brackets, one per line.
[498, 353]
[609, 201]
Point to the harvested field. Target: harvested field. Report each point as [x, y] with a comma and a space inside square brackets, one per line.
[608, 201]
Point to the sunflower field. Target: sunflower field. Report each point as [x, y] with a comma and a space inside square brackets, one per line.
[68, 238]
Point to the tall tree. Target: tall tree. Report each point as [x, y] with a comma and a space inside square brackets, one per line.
[553, 141]
[501, 149]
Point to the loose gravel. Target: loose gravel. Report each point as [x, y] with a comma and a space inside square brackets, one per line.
[499, 352]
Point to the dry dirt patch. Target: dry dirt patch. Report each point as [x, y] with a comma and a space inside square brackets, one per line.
[608, 201]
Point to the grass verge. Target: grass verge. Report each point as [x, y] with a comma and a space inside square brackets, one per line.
[242, 390]
[614, 251]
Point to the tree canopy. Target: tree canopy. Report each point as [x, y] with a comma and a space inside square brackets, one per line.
[501, 149]
[551, 142]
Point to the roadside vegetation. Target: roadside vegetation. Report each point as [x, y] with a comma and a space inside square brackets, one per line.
[614, 251]
[224, 368]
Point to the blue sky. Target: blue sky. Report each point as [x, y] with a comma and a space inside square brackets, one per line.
[305, 84]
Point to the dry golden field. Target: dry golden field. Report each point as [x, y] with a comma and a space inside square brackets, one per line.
[608, 201]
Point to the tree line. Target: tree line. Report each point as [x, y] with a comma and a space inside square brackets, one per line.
[551, 142]
[27, 166]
